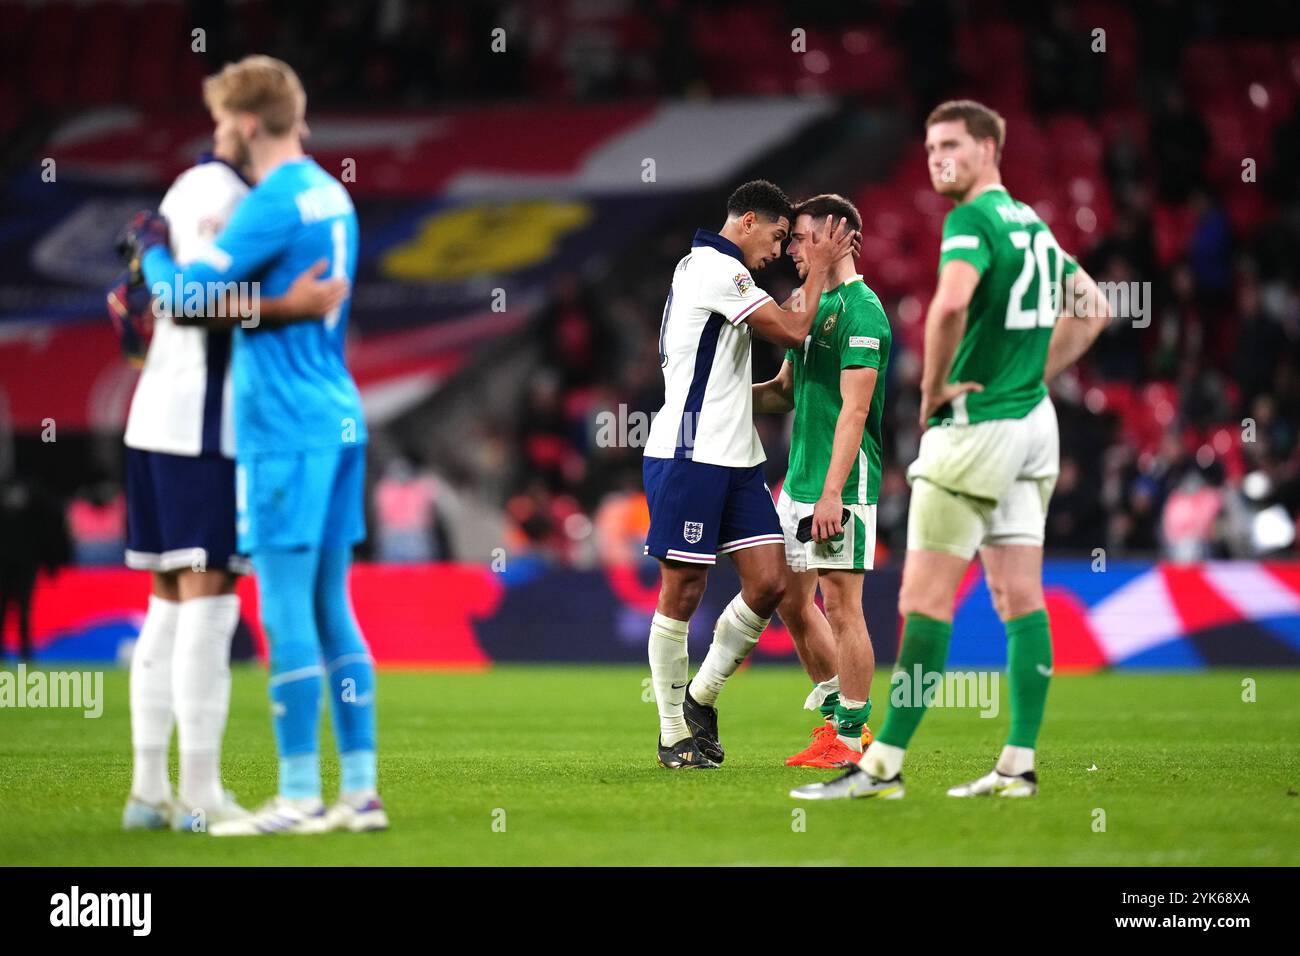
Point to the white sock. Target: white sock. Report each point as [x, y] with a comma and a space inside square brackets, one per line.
[821, 691]
[151, 700]
[669, 664]
[734, 636]
[853, 743]
[1015, 760]
[883, 761]
[201, 693]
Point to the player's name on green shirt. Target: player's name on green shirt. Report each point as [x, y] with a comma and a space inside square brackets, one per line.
[1011, 315]
[850, 330]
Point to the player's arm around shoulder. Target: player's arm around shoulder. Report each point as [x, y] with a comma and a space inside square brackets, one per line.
[309, 297]
[258, 230]
[776, 395]
[773, 323]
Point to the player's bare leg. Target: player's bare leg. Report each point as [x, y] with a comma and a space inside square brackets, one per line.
[1015, 578]
[815, 645]
[736, 633]
[762, 577]
[808, 627]
[149, 805]
[208, 617]
[930, 582]
[1014, 573]
[680, 590]
[856, 663]
[842, 592]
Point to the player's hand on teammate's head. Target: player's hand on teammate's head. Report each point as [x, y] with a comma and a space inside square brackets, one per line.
[842, 239]
[141, 233]
[830, 243]
[856, 248]
[310, 295]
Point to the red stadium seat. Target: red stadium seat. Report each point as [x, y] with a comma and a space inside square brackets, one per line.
[53, 47]
[102, 63]
[158, 36]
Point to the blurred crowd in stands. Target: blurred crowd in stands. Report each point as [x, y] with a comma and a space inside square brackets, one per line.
[1160, 141]
[1170, 173]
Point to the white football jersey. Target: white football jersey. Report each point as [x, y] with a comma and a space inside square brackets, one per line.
[704, 347]
[182, 402]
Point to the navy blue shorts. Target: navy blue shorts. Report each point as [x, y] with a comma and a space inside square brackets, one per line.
[180, 512]
[699, 511]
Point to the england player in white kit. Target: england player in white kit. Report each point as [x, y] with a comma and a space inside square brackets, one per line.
[180, 482]
[702, 467]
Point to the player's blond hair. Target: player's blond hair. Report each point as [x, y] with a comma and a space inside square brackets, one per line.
[981, 122]
[262, 85]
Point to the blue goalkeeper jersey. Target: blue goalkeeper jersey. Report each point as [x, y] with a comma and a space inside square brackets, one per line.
[292, 390]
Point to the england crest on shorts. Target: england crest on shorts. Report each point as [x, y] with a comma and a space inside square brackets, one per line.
[693, 531]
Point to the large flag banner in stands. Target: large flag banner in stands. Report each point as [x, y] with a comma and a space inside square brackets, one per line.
[467, 220]
[1133, 615]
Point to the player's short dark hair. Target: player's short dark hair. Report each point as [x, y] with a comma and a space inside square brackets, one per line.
[761, 198]
[829, 204]
[981, 122]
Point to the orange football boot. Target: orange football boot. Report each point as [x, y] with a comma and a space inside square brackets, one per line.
[821, 738]
[824, 738]
[834, 754]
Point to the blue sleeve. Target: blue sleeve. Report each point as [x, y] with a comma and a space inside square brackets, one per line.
[259, 231]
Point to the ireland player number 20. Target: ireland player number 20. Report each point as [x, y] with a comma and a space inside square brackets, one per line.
[1047, 300]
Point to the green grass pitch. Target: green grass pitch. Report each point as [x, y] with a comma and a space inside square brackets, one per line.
[556, 765]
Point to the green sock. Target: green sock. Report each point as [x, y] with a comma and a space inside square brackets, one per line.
[1029, 654]
[829, 704]
[924, 644]
[849, 723]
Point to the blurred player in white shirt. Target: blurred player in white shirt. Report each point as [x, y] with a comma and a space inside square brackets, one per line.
[181, 511]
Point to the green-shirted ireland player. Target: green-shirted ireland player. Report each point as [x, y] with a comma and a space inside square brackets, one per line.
[987, 462]
[834, 383]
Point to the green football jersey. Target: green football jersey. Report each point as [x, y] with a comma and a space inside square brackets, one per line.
[1014, 308]
[850, 331]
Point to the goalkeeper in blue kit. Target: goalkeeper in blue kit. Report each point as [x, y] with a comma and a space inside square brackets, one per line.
[300, 443]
